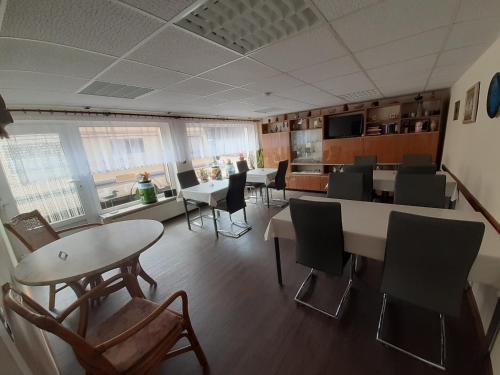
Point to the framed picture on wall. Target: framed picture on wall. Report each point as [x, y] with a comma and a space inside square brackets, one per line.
[456, 110]
[471, 101]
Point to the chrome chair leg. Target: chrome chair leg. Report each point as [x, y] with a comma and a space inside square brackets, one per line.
[244, 226]
[340, 308]
[272, 202]
[442, 363]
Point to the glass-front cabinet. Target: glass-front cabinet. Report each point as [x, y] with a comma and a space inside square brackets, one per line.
[307, 146]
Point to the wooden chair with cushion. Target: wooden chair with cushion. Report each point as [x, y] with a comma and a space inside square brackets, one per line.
[34, 232]
[134, 340]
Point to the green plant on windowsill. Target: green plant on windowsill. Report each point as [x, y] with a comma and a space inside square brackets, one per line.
[260, 158]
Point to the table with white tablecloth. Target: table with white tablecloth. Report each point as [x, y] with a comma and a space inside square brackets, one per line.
[365, 230]
[261, 175]
[208, 192]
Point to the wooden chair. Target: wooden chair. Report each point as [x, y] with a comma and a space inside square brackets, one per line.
[134, 340]
[34, 231]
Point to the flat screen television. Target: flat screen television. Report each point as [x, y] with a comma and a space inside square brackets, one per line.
[345, 126]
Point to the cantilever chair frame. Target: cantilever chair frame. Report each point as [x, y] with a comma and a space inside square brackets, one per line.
[90, 356]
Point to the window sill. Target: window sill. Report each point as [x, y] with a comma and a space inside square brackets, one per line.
[105, 217]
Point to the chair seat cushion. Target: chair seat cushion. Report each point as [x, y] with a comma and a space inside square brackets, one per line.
[131, 351]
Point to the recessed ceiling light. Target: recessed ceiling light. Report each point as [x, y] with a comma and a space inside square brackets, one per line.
[245, 25]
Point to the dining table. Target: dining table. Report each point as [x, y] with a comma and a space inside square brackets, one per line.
[365, 233]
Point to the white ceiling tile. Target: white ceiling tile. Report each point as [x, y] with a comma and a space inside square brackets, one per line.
[474, 32]
[446, 75]
[402, 70]
[346, 84]
[166, 9]
[29, 80]
[240, 72]
[461, 56]
[391, 20]
[474, 9]
[277, 83]
[403, 49]
[333, 9]
[307, 48]
[411, 83]
[137, 74]
[179, 50]
[328, 69]
[234, 94]
[198, 86]
[168, 95]
[207, 101]
[95, 25]
[42, 57]
[308, 94]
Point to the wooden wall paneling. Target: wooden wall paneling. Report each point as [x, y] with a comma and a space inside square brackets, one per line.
[342, 151]
[419, 143]
[386, 148]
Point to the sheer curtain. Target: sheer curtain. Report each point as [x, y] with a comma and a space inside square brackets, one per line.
[210, 138]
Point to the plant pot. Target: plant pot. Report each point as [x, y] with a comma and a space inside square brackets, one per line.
[147, 192]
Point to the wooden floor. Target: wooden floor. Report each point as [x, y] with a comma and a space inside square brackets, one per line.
[247, 324]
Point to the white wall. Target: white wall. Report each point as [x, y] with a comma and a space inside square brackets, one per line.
[472, 153]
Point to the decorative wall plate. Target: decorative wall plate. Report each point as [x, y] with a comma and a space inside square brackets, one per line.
[493, 99]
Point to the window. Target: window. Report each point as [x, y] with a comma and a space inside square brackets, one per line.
[117, 155]
[39, 177]
[220, 144]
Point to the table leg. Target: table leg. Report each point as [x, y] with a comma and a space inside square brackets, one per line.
[278, 259]
[84, 308]
[187, 213]
[494, 327]
[215, 223]
[267, 195]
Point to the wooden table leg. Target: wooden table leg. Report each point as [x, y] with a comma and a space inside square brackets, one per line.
[79, 290]
[278, 259]
[215, 222]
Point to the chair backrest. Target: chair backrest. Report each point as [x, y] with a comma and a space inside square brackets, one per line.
[417, 159]
[417, 169]
[242, 166]
[366, 160]
[235, 197]
[424, 190]
[319, 233]
[280, 178]
[32, 230]
[187, 179]
[427, 260]
[346, 185]
[367, 171]
[30, 310]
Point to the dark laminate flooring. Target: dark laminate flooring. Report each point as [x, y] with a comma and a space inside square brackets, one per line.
[247, 324]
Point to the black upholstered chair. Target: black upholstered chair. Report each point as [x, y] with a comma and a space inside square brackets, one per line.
[366, 160]
[346, 185]
[367, 171]
[427, 261]
[279, 183]
[320, 245]
[426, 190]
[234, 201]
[417, 169]
[243, 167]
[417, 159]
[188, 179]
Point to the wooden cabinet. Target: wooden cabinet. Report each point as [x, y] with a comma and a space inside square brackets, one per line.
[306, 182]
[386, 147]
[323, 182]
[276, 147]
[341, 151]
[419, 143]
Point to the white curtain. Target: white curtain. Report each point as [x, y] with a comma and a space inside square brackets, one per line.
[210, 138]
[114, 148]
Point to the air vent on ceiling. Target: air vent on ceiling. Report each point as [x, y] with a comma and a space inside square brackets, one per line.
[359, 96]
[245, 25]
[114, 90]
[269, 110]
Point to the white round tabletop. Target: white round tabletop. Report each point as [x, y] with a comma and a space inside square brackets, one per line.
[89, 252]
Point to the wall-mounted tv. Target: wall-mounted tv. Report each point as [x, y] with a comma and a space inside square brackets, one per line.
[344, 126]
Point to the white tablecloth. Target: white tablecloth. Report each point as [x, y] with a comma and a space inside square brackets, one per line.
[208, 192]
[261, 175]
[385, 180]
[365, 231]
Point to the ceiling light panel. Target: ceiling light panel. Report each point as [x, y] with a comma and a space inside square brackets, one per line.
[114, 90]
[246, 25]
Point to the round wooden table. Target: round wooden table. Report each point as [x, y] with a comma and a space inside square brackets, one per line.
[89, 253]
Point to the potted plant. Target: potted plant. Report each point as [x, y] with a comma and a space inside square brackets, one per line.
[146, 188]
